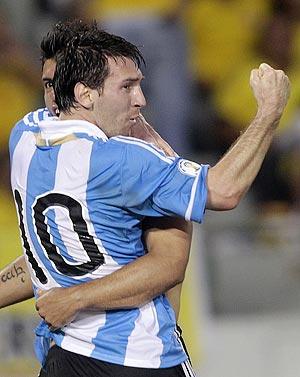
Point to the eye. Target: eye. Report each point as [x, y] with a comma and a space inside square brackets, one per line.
[48, 84]
[127, 87]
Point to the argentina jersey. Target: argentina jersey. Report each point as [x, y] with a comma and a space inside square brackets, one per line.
[80, 199]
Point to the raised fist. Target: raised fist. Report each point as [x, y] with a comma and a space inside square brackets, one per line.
[271, 89]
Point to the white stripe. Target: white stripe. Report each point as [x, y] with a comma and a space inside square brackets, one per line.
[185, 369]
[36, 117]
[145, 143]
[189, 209]
[149, 147]
[20, 164]
[81, 331]
[52, 128]
[71, 179]
[189, 367]
[144, 348]
[26, 120]
[73, 168]
[187, 362]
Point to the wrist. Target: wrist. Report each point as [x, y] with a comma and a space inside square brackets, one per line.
[268, 118]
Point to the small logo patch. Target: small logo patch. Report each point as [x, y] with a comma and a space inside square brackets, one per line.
[188, 167]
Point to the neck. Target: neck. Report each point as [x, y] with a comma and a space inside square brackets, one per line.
[75, 114]
[78, 115]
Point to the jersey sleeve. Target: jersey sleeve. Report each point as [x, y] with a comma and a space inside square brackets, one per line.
[156, 185]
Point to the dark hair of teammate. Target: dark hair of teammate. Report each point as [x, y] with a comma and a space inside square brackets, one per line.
[62, 32]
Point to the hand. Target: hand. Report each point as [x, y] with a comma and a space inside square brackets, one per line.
[271, 89]
[142, 130]
[57, 306]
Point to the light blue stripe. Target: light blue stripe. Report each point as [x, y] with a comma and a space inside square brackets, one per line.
[172, 351]
[112, 339]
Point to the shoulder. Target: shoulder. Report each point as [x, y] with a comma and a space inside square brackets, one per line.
[33, 118]
[28, 123]
[141, 148]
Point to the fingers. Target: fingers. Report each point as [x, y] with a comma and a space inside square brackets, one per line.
[271, 89]
[254, 77]
[264, 68]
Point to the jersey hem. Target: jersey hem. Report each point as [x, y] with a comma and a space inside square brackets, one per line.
[129, 362]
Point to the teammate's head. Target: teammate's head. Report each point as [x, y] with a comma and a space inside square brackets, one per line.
[98, 74]
[62, 33]
[48, 70]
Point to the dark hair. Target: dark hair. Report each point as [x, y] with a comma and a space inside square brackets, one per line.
[81, 51]
[60, 35]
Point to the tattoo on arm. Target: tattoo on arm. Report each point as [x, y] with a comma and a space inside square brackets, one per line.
[14, 273]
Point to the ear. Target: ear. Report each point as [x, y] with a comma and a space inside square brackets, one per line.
[84, 95]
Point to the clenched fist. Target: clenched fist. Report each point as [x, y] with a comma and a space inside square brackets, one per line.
[271, 89]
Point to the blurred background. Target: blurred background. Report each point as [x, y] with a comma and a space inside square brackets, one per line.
[241, 301]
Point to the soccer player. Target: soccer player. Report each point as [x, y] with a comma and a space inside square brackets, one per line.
[163, 240]
[169, 233]
[81, 197]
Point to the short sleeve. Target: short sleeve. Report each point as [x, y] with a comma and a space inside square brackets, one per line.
[156, 185]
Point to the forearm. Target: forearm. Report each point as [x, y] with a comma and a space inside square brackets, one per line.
[162, 268]
[15, 283]
[234, 173]
[131, 286]
[230, 179]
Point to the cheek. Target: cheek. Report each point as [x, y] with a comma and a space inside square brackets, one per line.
[115, 108]
[48, 96]
[46, 99]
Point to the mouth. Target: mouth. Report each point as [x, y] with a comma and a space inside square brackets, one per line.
[55, 110]
[133, 119]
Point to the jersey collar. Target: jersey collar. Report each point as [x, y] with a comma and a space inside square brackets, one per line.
[53, 128]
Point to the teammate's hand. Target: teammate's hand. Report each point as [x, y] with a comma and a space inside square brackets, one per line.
[271, 89]
[56, 306]
[142, 130]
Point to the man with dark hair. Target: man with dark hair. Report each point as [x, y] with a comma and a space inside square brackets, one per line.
[55, 41]
[161, 235]
[81, 198]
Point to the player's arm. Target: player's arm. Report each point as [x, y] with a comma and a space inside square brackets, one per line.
[231, 177]
[174, 296]
[129, 287]
[15, 283]
[162, 234]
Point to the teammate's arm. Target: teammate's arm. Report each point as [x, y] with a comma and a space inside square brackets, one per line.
[231, 177]
[160, 236]
[169, 233]
[131, 286]
[15, 283]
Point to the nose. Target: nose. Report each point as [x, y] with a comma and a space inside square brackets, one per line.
[139, 98]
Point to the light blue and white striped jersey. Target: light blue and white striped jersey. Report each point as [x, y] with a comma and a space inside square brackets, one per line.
[81, 198]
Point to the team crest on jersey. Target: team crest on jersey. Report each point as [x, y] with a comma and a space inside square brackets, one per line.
[188, 167]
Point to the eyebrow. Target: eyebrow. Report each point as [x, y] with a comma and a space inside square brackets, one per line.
[135, 79]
